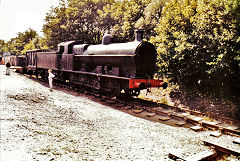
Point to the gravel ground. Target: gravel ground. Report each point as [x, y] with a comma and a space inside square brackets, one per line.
[37, 124]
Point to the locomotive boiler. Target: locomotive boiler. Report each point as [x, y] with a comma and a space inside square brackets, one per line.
[112, 68]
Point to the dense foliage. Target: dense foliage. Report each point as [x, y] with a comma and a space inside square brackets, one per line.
[198, 44]
[88, 20]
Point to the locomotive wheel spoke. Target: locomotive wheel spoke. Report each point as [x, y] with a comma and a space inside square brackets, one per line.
[112, 88]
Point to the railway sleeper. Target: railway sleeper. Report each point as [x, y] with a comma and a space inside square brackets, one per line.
[204, 155]
[223, 148]
[210, 154]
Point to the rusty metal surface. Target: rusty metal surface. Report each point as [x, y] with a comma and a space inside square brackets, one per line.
[67, 62]
[46, 60]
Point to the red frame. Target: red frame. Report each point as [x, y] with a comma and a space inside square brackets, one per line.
[135, 83]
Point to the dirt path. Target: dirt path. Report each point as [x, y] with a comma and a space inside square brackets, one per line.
[37, 124]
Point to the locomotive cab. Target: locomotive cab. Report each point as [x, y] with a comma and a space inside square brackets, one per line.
[65, 55]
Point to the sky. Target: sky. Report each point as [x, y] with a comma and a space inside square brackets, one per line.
[20, 15]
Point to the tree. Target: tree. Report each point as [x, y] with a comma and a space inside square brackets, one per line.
[123, 16]
[88, 20]
[2, 47]
[198, 44]
[16, 45]
[55, 27]
[22, 39]
[74, 20]
[151, 16]
[35, 43]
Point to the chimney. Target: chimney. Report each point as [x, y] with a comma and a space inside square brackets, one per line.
[139, 34]
[107, 39]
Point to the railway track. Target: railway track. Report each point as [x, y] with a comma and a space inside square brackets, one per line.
[182, 117]
[175, 116]
[190, 119]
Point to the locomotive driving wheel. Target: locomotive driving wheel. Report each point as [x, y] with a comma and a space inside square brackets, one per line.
[112, 87]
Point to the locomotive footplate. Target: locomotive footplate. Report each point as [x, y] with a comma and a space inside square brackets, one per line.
[112, 85]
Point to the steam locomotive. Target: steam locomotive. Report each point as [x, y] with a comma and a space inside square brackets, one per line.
[112, 68]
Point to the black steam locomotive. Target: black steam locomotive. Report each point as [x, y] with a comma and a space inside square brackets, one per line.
[112, 68]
